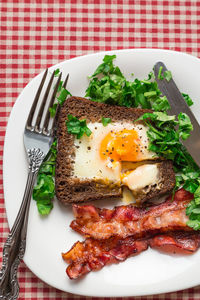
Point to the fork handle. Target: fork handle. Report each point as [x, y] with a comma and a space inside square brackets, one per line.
[15, 244]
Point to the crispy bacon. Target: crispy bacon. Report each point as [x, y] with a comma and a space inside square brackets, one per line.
[124, 221]
[93, 255]
[176, 243]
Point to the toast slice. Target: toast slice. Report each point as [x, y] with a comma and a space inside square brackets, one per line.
[71, 188]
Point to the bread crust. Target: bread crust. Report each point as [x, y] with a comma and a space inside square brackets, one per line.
[70, 189]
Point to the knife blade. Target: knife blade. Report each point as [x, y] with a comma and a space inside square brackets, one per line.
[178, 104]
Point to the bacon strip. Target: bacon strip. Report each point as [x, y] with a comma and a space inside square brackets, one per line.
[93, 255]
[124, 221]
[177, 242]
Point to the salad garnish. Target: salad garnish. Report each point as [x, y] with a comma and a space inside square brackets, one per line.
[44, 191]
[77, 127]
[105, 121]
[188, 100]
[108, 85]
[61, 95]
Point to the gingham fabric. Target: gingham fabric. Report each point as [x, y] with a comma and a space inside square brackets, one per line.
[36, 34]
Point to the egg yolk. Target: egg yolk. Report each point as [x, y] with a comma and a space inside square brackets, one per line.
[121, 145]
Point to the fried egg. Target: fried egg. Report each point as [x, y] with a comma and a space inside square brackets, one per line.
[101, 155]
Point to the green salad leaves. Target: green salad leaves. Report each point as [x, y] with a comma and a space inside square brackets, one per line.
[77, 127]
[165, 133]
[44, 191]
[105, 121]
[61, 96]
[188, 100]
[166, 74]
[63, 93]
[108, 85]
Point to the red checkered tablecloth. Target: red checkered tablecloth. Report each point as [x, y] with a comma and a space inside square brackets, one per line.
[36, 34]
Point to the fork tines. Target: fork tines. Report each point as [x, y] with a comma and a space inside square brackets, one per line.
[37, 127]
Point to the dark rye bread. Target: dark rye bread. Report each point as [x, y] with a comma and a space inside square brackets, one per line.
[70, 189]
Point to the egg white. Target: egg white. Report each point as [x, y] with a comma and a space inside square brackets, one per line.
[142, 176]
[88, 163]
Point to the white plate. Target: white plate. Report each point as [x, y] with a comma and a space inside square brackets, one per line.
[148, 273]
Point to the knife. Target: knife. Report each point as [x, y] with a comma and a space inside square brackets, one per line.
[178, 104]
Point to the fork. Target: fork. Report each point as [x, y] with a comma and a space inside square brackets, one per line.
[37, 140]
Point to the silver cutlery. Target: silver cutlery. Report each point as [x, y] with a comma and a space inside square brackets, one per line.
[38, 138]
[178, 104]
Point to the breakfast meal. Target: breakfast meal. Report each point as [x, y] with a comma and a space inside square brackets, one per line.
[120, 141]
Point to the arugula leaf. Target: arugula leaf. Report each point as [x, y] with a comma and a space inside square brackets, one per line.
[52, 110]
[150, 94]
[62, 96]
[161, 104]
[185, 126]
[190, 186]
[190, 207]
[188, 100]
[44, 208]
[107, 66]
[197, 196]
[193, 211]
[60, 86]
[77, 127]
[195, 224]
[44, 190]
[105, 121]
[56, 72]
[160, 117]
[160, 73]
[167, 75]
